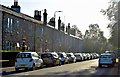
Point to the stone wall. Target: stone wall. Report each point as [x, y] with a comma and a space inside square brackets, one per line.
[38, 36]
[1, 28]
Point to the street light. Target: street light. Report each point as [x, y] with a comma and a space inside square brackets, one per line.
[55, 16]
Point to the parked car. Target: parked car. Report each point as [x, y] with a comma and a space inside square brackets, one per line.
[91, 56]
[84, 56]
[63, 57]
[50, 58]
[28, 60]
[79, 56]
[106, 59]
[71, 57]
[96, 55]
[88, 56]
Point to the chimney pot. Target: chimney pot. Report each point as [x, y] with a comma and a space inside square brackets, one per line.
[45, 17]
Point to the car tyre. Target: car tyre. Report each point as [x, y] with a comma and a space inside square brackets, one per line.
[33, 67]
[41, 66]
[17, 69]
[100, 65]
[60, 63]
[26, 69]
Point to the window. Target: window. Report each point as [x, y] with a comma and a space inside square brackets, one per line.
[9, 25]
[35, 55]
[9, 45]
[23, 55]
[18, 24]
[18, 44]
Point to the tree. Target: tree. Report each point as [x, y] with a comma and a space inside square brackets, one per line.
[94, 40]
[112, 13]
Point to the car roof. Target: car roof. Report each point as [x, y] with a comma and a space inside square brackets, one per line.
[105, 54]
[28, 52]
[48, 52]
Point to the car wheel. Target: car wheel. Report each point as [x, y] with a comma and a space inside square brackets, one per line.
[60, 63]
[100, 65]
[33, 67]
[17, 69]
[41, 66]
[112, 65]
[26, 69]
[68, 62]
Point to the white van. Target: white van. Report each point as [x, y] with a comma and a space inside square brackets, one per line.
[28, 60]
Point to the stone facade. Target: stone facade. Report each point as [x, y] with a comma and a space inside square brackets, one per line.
[18, 26]
[1, 28]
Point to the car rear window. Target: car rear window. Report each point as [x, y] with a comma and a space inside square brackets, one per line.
[24, 55]
[46, 55]
[105, 56]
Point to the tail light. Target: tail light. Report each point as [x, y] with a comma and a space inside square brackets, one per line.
[31, 59]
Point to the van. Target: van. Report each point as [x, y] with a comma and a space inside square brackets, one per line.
[28, 60]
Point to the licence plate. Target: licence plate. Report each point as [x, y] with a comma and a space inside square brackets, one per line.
[45, 59]
[22, 65]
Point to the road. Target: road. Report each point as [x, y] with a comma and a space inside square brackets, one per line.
[89, 67]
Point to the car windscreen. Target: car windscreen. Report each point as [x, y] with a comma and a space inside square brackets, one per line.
[23, 55]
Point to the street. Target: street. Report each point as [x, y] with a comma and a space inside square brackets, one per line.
[89, 67]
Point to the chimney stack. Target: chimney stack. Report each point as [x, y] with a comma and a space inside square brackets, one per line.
[16, 7]
[63, 27]
[37, 15]
[59, 23]
[68, 28]
[45, 17]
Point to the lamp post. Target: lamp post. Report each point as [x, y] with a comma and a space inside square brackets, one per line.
[55, 16]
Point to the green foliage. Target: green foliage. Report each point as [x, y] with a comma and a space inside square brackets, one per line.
[10, 51]
[112, 13]
[94, 40]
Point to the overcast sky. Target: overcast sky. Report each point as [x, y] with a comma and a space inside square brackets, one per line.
[77, 12]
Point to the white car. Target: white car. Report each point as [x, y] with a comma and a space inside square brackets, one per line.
[79, 56]
[106, 59]
[28, 60]
[71, 57]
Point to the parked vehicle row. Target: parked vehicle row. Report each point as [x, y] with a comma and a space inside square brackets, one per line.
[31, 60]
[85, 56]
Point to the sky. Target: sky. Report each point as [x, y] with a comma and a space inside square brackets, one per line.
[76, 12]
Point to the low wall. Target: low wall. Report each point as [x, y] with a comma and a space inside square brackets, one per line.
[7, 59]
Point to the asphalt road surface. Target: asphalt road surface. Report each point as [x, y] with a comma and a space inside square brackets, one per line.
[88, 68]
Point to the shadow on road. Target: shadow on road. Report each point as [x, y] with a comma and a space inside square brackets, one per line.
[94, 71]
[12, 72]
